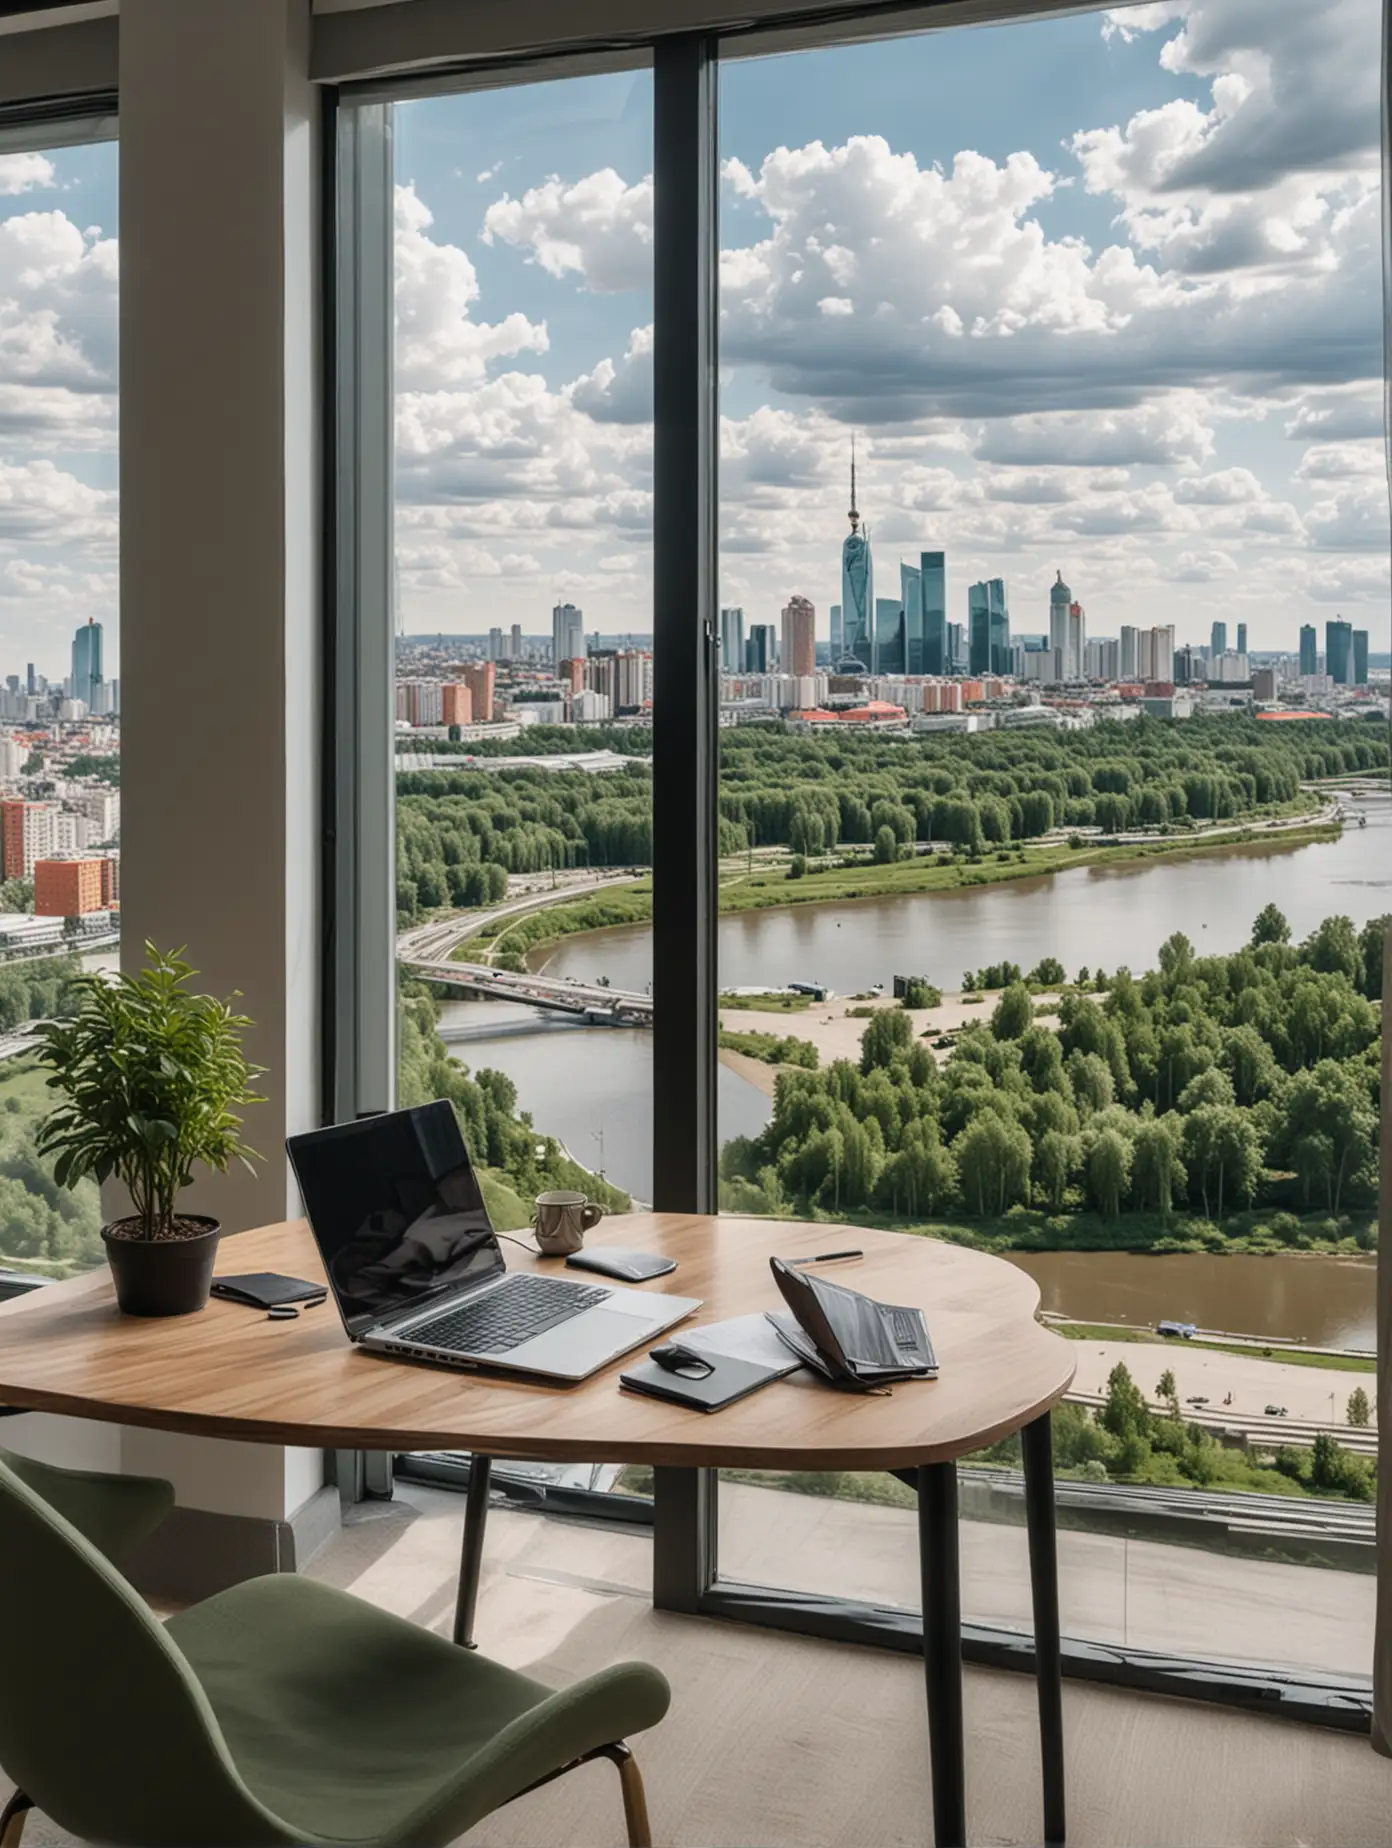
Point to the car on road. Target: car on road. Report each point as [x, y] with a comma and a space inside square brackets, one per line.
[1198, 1399]
[1275, 1411]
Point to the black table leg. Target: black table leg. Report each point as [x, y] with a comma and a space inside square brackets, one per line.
[471, 1552]
[1037, 1444]
[942, 1649]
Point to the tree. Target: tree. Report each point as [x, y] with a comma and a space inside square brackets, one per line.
[1057, 1157]
[797, 866]
[1270, 926]
[920, 993]
[1359, 1411]
[1125, 1413]
[1014, 1013]
[1157, 1171]
[888, 1036]
[1166, 1389]
[1370, 945]
[886, 847]
[993, 1163]
[1333, 948]
[1109, 1171]
[1048, 972]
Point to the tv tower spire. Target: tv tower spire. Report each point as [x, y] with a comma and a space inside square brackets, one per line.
[855, 516]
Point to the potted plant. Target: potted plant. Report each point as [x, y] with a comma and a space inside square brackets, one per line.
[152, 1077]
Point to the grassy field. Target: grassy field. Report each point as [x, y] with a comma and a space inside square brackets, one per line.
[767, 1003]
[768, 886]
[1294, 1356]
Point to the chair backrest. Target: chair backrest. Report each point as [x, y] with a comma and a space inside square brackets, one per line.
[102, 1721]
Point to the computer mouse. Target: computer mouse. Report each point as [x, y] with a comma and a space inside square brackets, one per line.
[672, 1357]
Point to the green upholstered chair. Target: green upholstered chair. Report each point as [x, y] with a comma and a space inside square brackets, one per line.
[280, 1711]
[114, 1512]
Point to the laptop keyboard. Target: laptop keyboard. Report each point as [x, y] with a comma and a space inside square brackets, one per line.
[517, 1310]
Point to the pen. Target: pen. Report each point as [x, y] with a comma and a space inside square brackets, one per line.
[829, 1257]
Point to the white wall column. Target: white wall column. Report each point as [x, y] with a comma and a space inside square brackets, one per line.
[219, 582]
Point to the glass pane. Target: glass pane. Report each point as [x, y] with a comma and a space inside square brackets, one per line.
[524, 629]
[60, 781]
[1054, 543]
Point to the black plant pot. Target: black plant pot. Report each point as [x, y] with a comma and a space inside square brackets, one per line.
[164, 1276]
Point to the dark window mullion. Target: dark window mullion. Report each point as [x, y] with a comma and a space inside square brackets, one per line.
[684, 593]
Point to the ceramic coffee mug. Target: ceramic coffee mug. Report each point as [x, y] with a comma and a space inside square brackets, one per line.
[562, 1219]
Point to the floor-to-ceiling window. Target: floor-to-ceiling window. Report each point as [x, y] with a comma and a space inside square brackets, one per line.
[60, 783]
[1051, 647]
[1054, 587]
[523, 627]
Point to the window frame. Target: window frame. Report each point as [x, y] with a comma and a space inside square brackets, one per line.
[359, 845]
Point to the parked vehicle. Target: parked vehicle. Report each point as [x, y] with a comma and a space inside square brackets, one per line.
[1275, 1411]
[1177, 1331]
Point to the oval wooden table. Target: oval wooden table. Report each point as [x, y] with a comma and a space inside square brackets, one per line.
[232, 1373]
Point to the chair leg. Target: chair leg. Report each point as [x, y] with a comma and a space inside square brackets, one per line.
[635, 1799]
[13, 1818]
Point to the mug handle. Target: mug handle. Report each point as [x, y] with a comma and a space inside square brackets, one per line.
[590, 1216]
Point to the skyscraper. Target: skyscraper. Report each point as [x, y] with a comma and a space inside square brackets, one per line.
[988, 628]
[761, 649]
[1308, 650]
[732, 640]
[87, 662]
[1060, 598]
[1360, 657]
[857, 587]
[1242, 638]
[1077, 638]
[1218, 640]
[889, 635]
[1128, 664]
[911, 596]
[799, 651]
[567, 633]
[1338, 651]
[836, 641]
[933, 591]
[515, 643]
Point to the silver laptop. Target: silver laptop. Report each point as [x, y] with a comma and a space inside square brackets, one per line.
[416, 1268]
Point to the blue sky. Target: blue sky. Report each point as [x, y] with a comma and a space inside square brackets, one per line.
[1097, 292]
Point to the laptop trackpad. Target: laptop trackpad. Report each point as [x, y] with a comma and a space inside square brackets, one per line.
[578, 1347]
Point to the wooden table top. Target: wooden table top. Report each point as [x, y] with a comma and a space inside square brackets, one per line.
[232, 1373]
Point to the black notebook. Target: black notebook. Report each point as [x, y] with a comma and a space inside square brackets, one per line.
[727, 1381]
[265, 1289]
[849, 1338]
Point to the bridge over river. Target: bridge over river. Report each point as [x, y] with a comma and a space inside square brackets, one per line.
[591, 1002]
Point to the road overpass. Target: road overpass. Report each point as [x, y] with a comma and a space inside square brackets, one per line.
[588, 1001]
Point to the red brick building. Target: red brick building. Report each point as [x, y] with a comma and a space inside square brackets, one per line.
[456, 705]
[68, 888]
[480, 678]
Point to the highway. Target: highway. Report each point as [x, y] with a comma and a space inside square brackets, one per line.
[428, 951]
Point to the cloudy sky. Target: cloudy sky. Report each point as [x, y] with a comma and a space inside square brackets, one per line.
[1098, 293]
[58, 517]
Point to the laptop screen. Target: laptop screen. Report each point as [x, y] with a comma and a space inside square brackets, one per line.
[396, 1211]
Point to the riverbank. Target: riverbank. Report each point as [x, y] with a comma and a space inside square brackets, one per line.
[769, 887]
[1315, 1396]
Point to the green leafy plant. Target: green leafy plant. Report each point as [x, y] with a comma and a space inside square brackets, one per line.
[153, 1077]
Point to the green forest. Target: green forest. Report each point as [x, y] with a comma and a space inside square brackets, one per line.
[1212, 1086]
[461, 832]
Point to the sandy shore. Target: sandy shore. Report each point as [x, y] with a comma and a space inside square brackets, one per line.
[836, 1034]
[1253, 1382]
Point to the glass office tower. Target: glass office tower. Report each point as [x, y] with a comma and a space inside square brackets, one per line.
[1360, 657]
[988, 628]
[87, 663]
[911, 596]
[1218, 640]
[933, 590]
[1309, 653]
[889, 635]
[836, 633]
[857, 588]
[732, 639]
[1338, 651]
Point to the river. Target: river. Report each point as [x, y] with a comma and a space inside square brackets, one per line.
[592, 1086]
